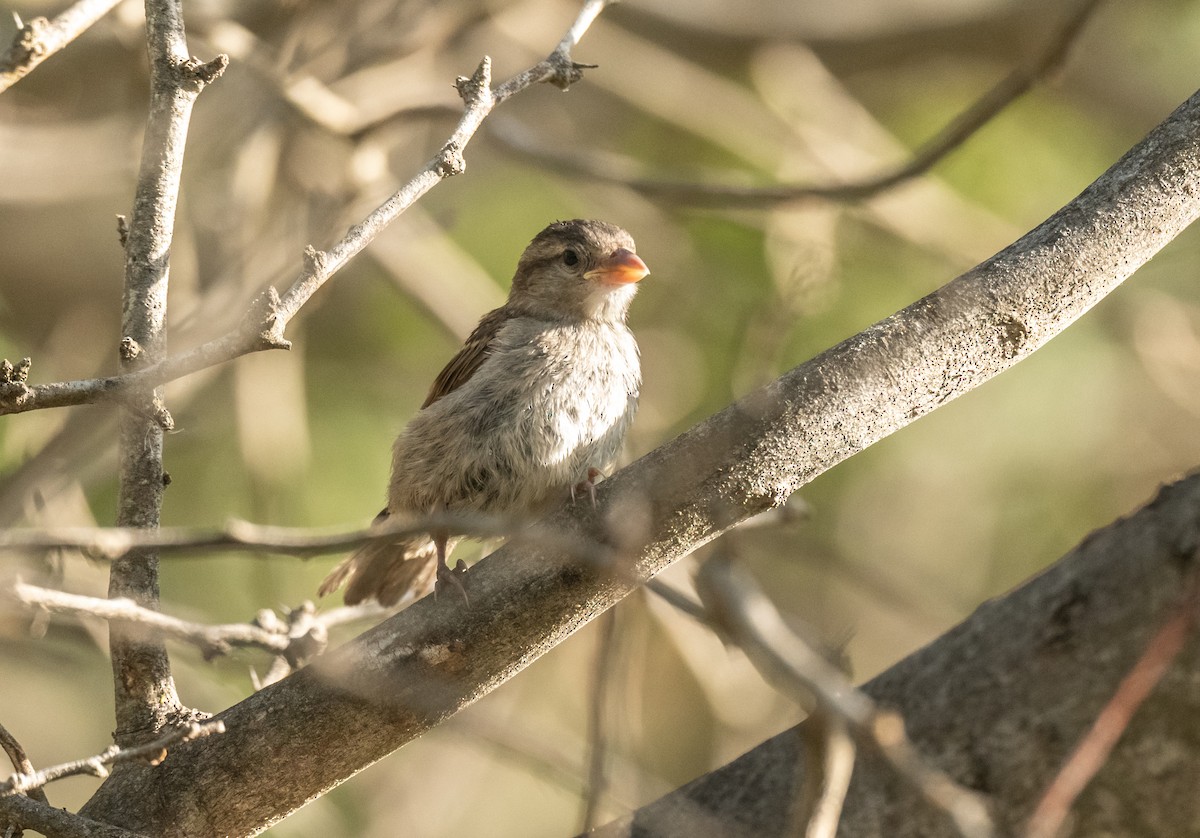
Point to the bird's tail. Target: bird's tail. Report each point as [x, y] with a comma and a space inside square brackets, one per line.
[390, 571]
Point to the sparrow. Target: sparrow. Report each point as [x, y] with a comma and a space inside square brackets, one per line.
[532, 409]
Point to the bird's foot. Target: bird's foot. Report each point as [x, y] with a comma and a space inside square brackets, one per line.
[447, 578]
[588, 485]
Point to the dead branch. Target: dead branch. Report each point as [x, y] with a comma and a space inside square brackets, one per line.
[745, 615]
[263, 326]
[152, 753]
[712, 194]
[146, 700]
[40, 38]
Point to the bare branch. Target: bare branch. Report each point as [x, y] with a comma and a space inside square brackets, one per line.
[39, 39]
[748, 618]
[20, 761]
[726, 196]
[297, 638]
[112, 543]
[301, 634]
[1093, 751]
[48, 820]
[146, 700]
[153, 752]
[265, 323]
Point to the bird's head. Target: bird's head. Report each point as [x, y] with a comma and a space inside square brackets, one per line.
[578, 269]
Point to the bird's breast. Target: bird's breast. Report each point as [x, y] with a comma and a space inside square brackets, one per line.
[548, 404]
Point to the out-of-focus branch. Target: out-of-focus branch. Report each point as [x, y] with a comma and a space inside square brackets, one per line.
[302, 634]
[962, 128]
[1092, 753]
[745, 616]
[264, 325]
[146, 700]
[40, 38]
[829, 755]
[111, 543]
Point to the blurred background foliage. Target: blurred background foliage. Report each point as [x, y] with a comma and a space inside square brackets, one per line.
[328, 106]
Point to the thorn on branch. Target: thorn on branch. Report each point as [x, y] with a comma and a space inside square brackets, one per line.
[163, 418]
[122, 230]
[13, 387]
[263, 315]
[451, 161]
[28, 44]
[477, 89]
[15, 374]
[197, 74]
[566, 72]
[315, 264]
[129, 349]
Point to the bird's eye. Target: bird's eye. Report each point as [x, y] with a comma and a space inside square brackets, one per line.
[570, 257]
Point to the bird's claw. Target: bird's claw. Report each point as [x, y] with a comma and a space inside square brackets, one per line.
[588, 484]
[447, 578]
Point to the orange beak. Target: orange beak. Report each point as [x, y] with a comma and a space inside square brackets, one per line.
[621, 268]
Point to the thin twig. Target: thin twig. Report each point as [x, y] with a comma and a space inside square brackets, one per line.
[728, 196]
[111, 543]
[300, 635]
[749, 619]
[153, 752]
[1092, 751]
[39, 39]
[20, 761]
[264, 324]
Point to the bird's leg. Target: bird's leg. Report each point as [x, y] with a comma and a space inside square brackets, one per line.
[445, 576]
[588, 484]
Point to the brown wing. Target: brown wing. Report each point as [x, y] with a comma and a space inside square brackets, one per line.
[474, 352]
